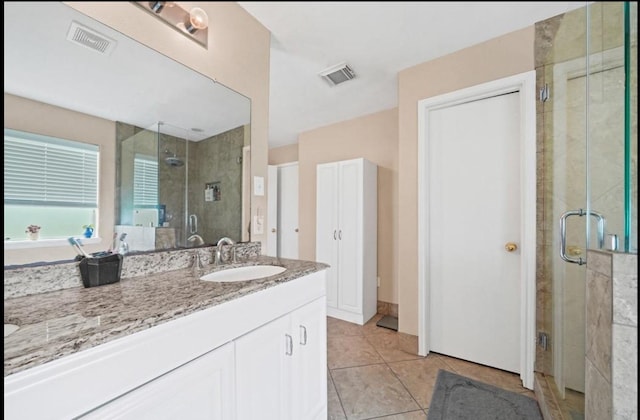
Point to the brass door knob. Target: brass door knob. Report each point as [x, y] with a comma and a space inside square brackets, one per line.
[510, 247]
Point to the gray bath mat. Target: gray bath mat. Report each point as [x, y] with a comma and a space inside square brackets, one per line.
[388, 321]
[458, 398]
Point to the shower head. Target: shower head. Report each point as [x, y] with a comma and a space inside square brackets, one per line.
[173, 161]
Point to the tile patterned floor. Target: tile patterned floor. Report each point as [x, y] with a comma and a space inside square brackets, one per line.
[369, 377]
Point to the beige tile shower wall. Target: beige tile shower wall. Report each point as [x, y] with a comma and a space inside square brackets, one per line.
[36, 117]
[237, 56]
[494, 59]
[624, 364]
[612, 336]
[373, 137]
[217, 160]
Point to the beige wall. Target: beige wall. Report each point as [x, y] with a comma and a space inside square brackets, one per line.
[35, 117]
[283, 154]
[237, 56]
[373, 137]
[497, 58]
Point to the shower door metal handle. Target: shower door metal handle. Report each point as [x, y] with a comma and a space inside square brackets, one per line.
[193, 223]
[601, 227]
[563, 233]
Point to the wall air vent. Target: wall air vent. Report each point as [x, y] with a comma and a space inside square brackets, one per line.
[88, 38]
[337, 74]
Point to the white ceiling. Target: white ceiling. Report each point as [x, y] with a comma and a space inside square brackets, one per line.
[377, 40]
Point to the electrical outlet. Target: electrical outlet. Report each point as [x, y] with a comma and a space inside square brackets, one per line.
[378, 281]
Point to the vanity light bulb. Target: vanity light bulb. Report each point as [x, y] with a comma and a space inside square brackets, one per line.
[157, 6]
[198, 19]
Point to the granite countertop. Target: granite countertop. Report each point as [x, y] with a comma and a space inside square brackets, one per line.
[59, 323]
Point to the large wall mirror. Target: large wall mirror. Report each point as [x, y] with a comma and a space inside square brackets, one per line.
[182, 140]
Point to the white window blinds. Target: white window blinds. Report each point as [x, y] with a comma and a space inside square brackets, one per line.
[42, 170]
[145, 181]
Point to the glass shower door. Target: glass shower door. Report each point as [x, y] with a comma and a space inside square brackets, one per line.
[590, 165]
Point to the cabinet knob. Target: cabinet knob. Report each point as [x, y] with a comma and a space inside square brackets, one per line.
[510, 247]
[273, 230]
[289, 345]
[296, 230]
[303, 335]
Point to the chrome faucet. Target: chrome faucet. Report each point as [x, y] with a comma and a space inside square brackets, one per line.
[222, 241]
[197, 261]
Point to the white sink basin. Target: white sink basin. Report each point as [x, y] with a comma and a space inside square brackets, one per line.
[9, 329]
[252, 272]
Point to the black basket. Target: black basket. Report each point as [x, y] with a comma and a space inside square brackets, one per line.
[100, 270]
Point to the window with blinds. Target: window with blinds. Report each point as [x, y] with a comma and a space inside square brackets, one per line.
[145, 181]
[49, 182]
[47, 171]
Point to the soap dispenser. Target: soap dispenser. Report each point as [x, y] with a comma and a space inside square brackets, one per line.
[124, 247]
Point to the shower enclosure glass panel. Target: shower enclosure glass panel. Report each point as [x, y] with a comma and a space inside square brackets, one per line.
[587, 66]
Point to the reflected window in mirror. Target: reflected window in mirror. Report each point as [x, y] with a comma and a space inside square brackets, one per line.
[145, 191]
[51, 183]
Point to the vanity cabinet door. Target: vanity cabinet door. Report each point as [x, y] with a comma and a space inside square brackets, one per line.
[309, 388]
[263, 372]
[281, 367]
[201, 389]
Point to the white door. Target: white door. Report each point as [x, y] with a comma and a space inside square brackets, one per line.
[327, 227]
[474, 215]
[349, 222]
[288, 211]
[272, 211]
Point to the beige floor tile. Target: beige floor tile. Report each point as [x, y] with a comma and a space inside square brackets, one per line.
[413, 415]
[334, 406]
[371, 391]
[370, 328]
[349, 351]
[388, 347]
[371, 378]
[500, 378]
[419, 376]
[338, 327]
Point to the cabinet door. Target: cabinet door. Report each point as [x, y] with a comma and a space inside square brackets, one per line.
[200, 389]
[327, 226]
[309, 390]
[350, 236]
[263, 372]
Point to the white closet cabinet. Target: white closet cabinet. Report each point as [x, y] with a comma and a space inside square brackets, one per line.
[346, 237]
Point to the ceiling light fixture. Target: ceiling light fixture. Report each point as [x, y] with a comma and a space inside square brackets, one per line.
[194, 23]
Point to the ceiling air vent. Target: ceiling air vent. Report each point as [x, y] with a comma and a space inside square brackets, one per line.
[89, 38]
[337, 74]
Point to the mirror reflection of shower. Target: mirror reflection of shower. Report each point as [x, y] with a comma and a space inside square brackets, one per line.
[192, 185]
[170, 157]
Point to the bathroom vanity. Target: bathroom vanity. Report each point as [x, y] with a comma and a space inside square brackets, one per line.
[170, 345]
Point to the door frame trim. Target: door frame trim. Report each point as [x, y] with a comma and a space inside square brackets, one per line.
[525, 84]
